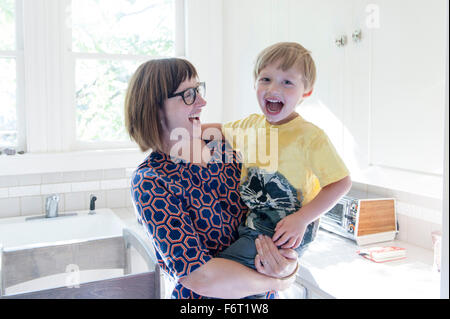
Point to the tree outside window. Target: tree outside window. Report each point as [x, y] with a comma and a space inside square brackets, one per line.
[110, 39]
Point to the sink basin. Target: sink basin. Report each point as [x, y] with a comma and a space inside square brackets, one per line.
[42, 239]
[25, 232]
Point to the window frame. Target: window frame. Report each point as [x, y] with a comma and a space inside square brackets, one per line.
[18, 56]
[69, 63]
[46, 73]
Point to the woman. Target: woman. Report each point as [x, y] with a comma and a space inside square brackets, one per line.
[190, 204]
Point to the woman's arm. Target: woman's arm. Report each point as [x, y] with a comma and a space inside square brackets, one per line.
[223, 278]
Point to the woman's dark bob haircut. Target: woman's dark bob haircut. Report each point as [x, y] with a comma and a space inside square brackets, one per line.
[147, 92]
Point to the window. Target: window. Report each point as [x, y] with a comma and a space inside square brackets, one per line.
[71, 79]
[10, 64]
[109, 39]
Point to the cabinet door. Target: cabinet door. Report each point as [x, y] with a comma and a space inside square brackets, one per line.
[316, 25]
[247, 29]
[252, 25]
[407, 85]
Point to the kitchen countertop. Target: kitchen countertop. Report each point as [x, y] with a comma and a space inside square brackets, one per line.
[341, 273]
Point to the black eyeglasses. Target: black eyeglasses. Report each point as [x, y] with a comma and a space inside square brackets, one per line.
[189, 95]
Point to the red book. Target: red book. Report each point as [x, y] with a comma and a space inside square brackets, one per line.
[383, 254]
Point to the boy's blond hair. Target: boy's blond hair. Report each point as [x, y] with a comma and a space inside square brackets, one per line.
[288, 54]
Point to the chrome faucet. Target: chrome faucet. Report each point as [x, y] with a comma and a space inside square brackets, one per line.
[51, 209]
[51, 206]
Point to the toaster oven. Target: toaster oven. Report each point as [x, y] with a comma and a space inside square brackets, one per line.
[365, 221]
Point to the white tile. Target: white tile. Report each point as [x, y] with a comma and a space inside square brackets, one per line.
[419, 233]
[9, 207]
[31, 205]
[75, 201]
[403, 227]
[419, 212]
[436, 227]
[62, 203]
[30, 179]
[129, 171]
[47, 189]
[85, 186]
[357, 193]
[4, 193]
[114, 173]
[9, 181]
[128, 200]
[418, 200]
[73, 177]
[94, 175]
[115, 198]
[115, 183]
[52, 178]
[25, 191]
[375, 191]
[359, 188]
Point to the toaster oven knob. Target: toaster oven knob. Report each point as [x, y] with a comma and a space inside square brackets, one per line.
[351, 228]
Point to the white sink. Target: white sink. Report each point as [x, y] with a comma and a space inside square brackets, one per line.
[19, 232]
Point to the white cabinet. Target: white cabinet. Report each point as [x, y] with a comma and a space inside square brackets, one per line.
[407, 60]
[317, 25]
[386, 90]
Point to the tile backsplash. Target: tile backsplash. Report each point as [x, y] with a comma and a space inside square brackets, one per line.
[23, 195]
[417, 216]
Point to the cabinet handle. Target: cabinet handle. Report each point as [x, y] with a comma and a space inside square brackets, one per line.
[341, 41]
[357, 35]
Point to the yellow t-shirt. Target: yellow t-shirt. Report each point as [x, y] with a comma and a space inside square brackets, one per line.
[298, 151]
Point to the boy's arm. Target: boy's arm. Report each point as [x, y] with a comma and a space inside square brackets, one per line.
[290, 230]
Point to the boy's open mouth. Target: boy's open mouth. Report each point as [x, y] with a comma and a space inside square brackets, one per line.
[274, 106]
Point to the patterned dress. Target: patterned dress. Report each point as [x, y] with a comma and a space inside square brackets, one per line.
[191, 212]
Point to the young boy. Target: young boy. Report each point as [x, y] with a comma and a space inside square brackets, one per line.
[305, 176]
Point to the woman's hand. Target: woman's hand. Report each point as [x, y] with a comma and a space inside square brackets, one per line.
[274, 262]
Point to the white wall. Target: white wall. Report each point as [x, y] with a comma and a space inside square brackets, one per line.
[204, 50]
[445, 213]
[408, 85]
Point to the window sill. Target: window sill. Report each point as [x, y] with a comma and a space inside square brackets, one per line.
[401, 181]
[39, 163]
